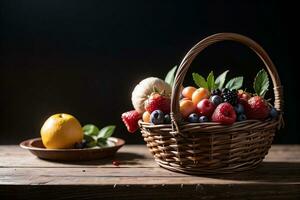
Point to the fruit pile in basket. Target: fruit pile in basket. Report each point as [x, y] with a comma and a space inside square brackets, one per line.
[214, 100]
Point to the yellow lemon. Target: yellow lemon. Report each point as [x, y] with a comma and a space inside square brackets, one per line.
[61, 131]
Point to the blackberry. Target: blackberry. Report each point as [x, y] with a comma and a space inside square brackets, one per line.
[225, 90]
[216, 92]
[230, 96]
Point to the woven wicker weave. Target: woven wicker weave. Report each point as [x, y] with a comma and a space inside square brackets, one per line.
[205, 148]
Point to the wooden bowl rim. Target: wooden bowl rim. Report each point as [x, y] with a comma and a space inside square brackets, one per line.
[27, 144]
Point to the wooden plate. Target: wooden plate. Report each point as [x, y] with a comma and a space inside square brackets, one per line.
[36, 147]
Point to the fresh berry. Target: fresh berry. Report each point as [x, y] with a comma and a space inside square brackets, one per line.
[230, 96]
[81, 145]
[241, 117]
[167, 119]
[273, 113]
[116, 163]
[258, 108]
[216, 99]
[157, 101]
[193, 118]
[157, 117]
[203, 119]
[225, 90]
[245, 104]
[131, 119]
[224, 114]
[186, 108]
[199, 94]
[243, 95]
[146, 117]
[187, 92]
[216, 92]
[78, 145]
[205, 107]
[239, 109]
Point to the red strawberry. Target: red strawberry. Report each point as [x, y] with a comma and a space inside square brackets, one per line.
[157, 101]
[243, 95]
[258, 108]
[224, 114]
[246, 106]
[131, 119]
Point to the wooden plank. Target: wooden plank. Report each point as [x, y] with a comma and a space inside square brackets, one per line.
[267, 173]
[23, 176]
[129, 156]
[174, 192]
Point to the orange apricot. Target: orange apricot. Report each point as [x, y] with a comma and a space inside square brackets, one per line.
[184, 99]
[146, 117]
[187, 92]
[186, 108]
[199, 94]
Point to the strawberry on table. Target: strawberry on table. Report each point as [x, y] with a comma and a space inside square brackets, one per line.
[131, 119]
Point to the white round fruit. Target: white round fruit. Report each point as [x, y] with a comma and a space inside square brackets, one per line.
[143, 90]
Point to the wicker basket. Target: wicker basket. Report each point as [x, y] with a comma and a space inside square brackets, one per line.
[208, 148]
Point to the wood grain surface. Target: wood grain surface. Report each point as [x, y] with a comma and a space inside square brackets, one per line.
[23, 176]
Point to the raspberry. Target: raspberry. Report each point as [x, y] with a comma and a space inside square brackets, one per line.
[116, 163]
[230, 96]
[131, 119]
[224, 114]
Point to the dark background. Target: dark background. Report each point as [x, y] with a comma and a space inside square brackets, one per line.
[85, 57]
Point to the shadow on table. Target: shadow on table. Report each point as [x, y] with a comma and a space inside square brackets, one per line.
[120, 157]
[272, 172]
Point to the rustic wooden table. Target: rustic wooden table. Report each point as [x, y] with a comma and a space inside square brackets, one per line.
[23, 176]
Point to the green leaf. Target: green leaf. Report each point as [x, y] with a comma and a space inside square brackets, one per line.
[235, 83]
[261, 83]
[211, 81]
[88, 138]
[199, 80]
[171, 76]
[106, 132]
[92, 143]
[221, 79]
[101, 142]
[90, 129]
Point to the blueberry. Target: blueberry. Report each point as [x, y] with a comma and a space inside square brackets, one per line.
[239, 109]
[193, 118]
[157, 117]
[167, 119]
[84, 143]
[203, 119]
[273, 113]
[241, 117]
[78, 145]
[216, 100]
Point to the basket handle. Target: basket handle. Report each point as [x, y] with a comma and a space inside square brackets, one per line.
[190, 56]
